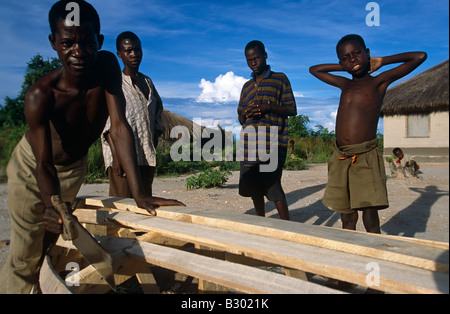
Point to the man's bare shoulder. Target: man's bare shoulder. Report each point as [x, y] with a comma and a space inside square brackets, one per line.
[106, 60]
[105, 54]
[43, 88]
[109, 71]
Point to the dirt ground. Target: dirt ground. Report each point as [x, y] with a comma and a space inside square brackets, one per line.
[419, 207]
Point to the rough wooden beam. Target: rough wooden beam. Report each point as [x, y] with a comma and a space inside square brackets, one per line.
[234, 276]
[423, 254]
[393, 277]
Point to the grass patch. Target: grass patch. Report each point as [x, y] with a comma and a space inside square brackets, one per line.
[209, 178]
[313, 149]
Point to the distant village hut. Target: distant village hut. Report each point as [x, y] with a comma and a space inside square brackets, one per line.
[172, 120]
[189, 130]
[416, 116]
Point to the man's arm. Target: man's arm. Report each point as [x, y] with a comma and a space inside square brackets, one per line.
[159, 127]
[322, 72]
[255, 111]
[116, 166]
[38, 105]
[242, 117]
[284, 106]
[270, 107]
[410, 61]
[121, 135]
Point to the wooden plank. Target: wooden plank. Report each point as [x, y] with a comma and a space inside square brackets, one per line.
[431, 243]
[433, 257]
[49, 281]
[238, 277]
[394, 278]
[91, 216]
[296, 273]
[144, 274]
[189, 215]
[148, 282]
[90, 281]
[205, 286]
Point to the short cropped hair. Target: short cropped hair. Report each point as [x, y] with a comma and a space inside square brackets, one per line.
[397, 150]
[256, 43]
[126, 35]
[87, 13]
[351, 37]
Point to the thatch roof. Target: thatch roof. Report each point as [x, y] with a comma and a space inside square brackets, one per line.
[424, 93]
[171, 120]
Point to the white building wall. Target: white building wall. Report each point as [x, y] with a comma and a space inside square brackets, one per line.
[396, 134]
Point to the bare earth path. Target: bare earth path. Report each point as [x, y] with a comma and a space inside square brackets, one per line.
[418, 207]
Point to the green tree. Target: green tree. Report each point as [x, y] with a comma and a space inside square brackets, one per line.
[298, 126]
[11, 113]
[323, 133]
[12, 118]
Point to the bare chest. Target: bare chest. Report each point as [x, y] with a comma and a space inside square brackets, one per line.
[361, 98]
[85, 109]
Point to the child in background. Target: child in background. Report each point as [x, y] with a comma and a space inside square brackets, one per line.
[404, 164]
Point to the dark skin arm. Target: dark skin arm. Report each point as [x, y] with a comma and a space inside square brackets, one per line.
[39, 102]
[362, 96]
[242, 117]
[409, 60]
[158, 119]
[116, 166]
[256, 111]
[121, 135]
[322, 72]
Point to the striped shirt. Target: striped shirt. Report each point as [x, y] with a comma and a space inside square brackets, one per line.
[144, 117]
[276, 89]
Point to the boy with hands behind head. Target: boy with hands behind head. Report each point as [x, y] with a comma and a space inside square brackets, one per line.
[356, 173]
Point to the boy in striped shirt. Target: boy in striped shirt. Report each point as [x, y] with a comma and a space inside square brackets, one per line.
[266, 102]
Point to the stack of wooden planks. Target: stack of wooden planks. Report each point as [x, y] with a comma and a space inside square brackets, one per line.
[137, 240]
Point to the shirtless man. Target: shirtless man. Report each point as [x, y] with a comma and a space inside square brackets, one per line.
[66, 111]
[356, 174]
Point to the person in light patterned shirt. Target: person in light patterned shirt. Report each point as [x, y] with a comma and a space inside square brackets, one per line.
[143, 111]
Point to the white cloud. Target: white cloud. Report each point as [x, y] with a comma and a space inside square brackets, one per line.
[334, 114]
[298, 94]
[226, 88]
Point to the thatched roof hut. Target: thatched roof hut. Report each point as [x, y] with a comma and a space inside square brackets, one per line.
[424, 93]
[171, 120]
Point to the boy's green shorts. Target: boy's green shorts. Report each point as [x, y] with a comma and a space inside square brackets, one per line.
[356, 179]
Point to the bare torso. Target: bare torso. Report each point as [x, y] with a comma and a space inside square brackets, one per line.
[358, 112]
[75, 128]
[77, 115]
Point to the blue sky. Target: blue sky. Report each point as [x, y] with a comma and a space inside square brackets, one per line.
[193, 50]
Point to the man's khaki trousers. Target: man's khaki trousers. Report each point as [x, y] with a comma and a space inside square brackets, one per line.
[20, 274]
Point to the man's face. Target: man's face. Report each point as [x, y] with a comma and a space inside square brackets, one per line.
[77, 47]
[256, 60]
[353, 58]
[131, 53]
